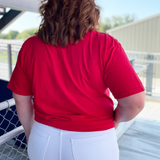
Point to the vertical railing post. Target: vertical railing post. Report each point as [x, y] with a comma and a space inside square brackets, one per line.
[9, 60]
[149, 75]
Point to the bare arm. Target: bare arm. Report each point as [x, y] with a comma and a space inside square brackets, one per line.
[129, 107]
[24, 106]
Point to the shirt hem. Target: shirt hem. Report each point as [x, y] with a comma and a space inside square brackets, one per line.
[129, 93]
[90, 126]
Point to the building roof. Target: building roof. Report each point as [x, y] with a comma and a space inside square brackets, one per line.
[133, 23]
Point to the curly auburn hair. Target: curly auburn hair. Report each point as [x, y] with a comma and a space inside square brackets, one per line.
[65, 21]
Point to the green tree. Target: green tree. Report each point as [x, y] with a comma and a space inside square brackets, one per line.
[10, 35]
[128, 18]
[115, 21]
[26, 34]
[13, 34]
[106, 25]
[4, 36]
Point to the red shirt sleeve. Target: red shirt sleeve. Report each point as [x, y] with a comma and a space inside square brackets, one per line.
[19, 82]
[118, 73]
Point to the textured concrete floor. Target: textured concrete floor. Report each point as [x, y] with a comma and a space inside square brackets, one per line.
[142, 140]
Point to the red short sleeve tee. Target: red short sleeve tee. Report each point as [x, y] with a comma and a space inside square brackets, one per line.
[71, 85]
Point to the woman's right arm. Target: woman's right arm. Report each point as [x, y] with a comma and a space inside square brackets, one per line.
[129, 107]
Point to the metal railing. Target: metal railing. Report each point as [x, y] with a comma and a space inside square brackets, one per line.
[151, 76]
[12, 138]
[8, 56]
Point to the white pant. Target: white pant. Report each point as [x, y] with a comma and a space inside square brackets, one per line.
[49, 143]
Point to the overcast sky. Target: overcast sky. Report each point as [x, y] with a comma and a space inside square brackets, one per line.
[139, 8]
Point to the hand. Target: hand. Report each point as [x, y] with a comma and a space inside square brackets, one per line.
[116, 124]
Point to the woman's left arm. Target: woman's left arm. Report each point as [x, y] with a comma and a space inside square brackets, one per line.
[24, 106]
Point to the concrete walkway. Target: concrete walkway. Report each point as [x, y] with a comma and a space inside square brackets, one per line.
[142, 140]
[151, 111]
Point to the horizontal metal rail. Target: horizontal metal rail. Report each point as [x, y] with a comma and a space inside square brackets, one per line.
[148, 61]
[7, 104]
[146, 53]
[139, 65]
[12, 42]
[14, 48]
[141, 68]
[6, 44]
[133, 57]
[10, 135]
[5, 47]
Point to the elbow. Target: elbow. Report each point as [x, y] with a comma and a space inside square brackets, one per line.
[141, 102]
[138, 106]
[141, 105]
[130, 107]
[136, 109]
[138, 101]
